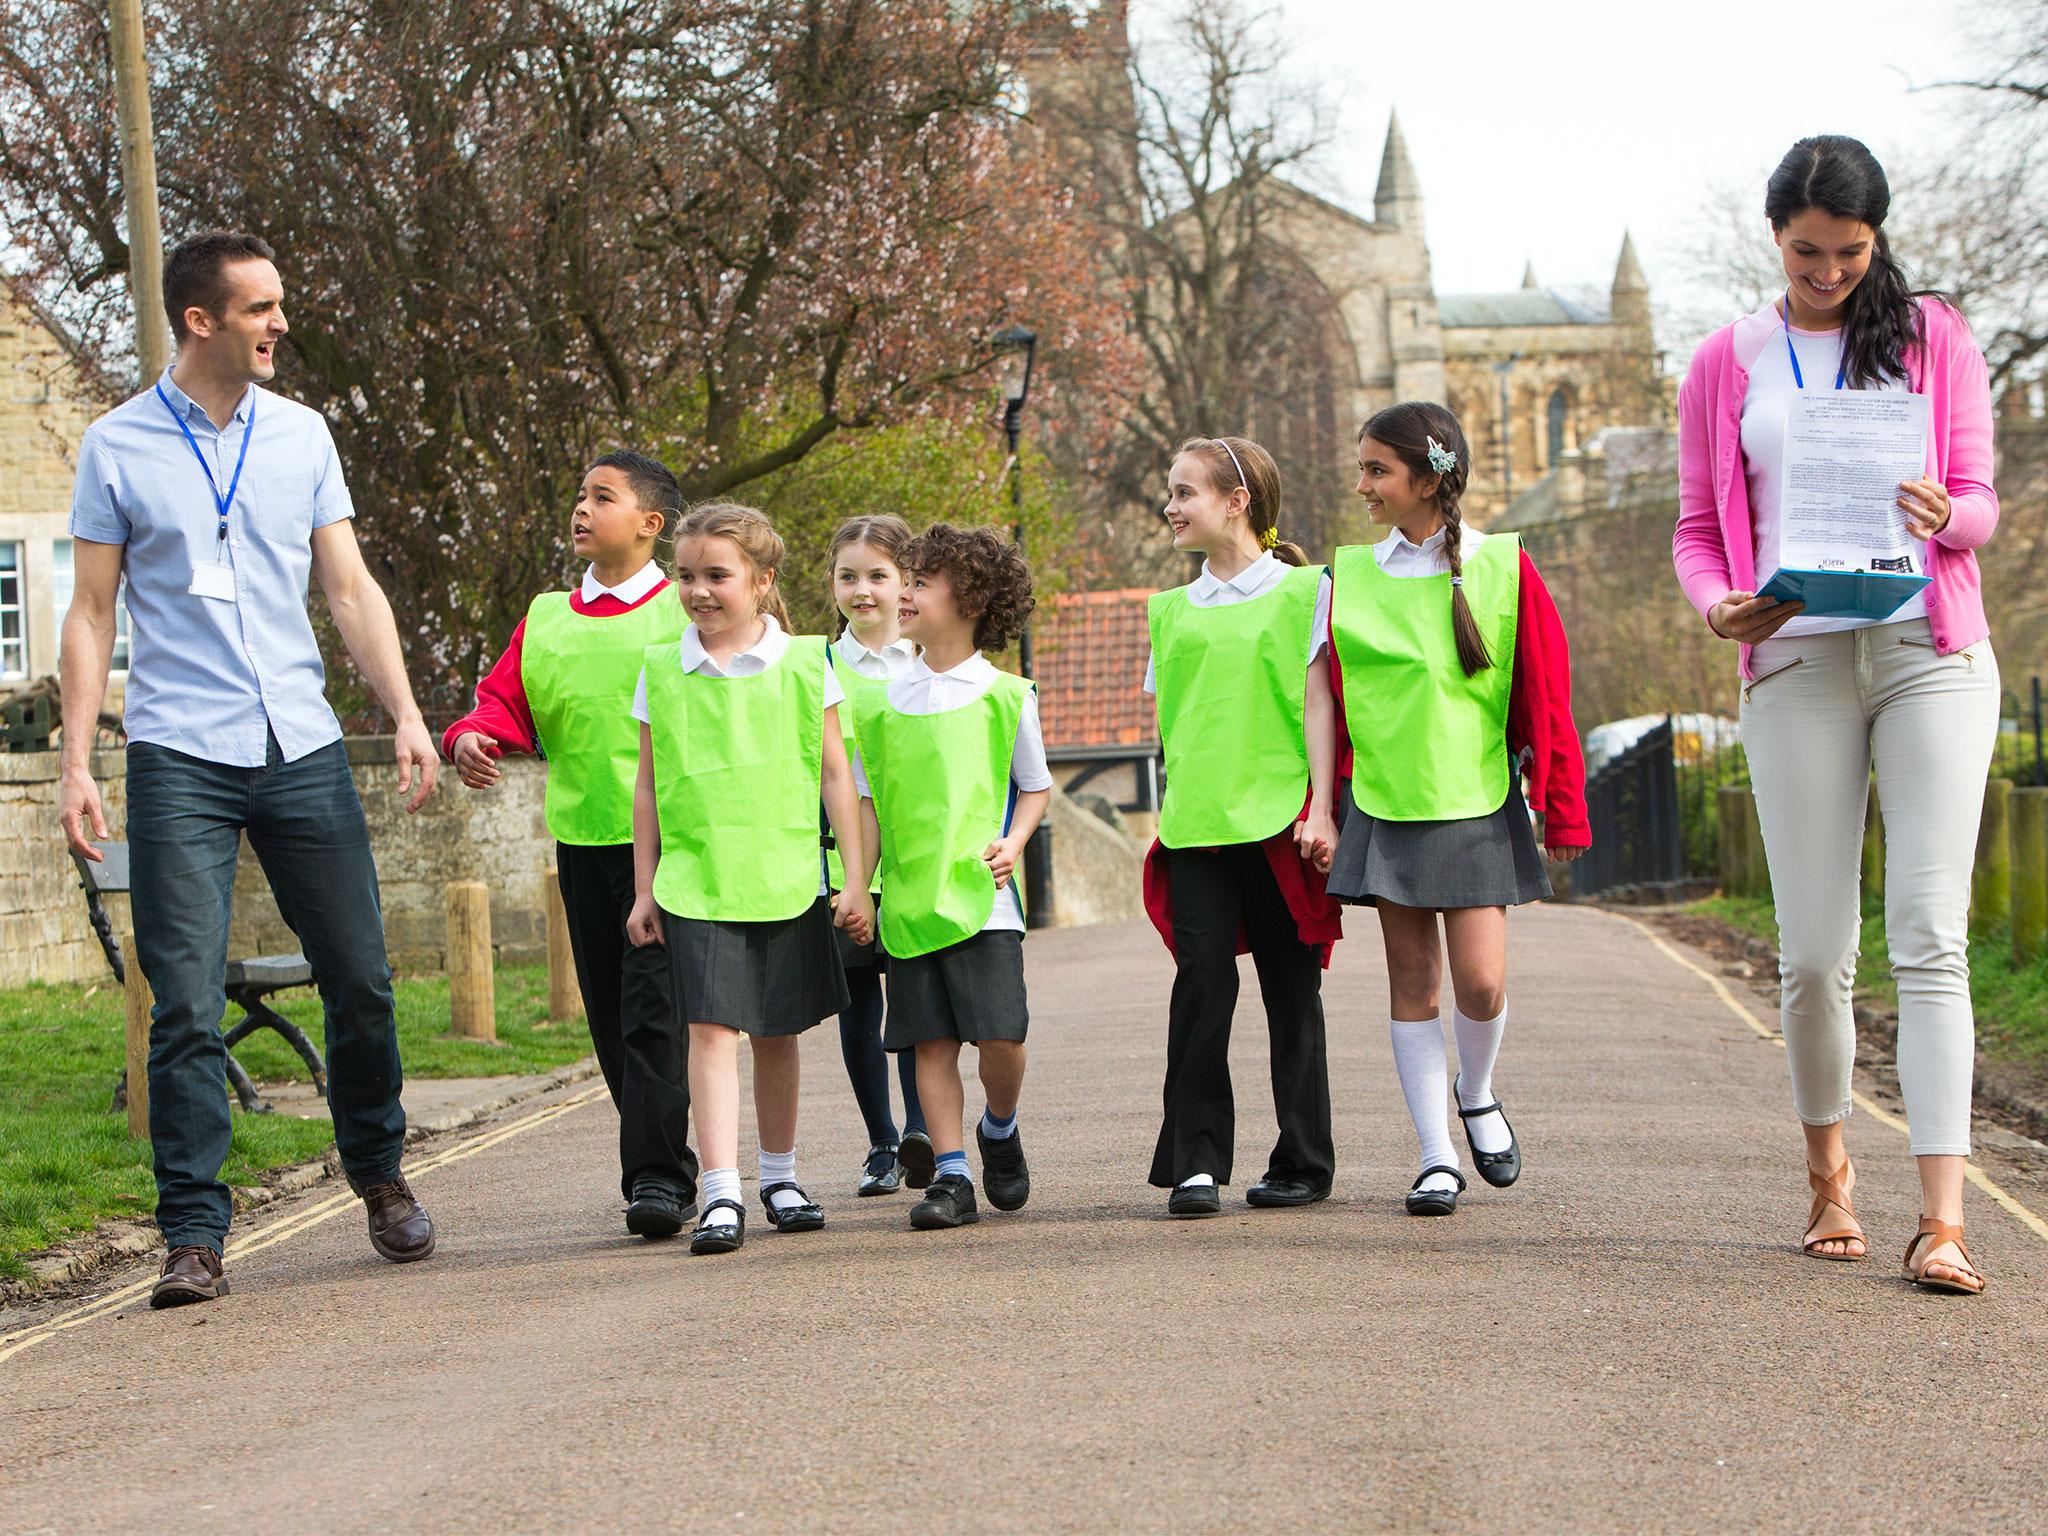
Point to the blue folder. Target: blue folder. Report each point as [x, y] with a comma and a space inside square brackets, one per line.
[1844, 594]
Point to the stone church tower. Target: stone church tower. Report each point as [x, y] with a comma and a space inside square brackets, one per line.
[1533, 373]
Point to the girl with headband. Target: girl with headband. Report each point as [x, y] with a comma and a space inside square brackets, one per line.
[1248, 727]
[1451, 668]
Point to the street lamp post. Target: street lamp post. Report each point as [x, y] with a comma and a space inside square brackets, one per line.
[1016, 350]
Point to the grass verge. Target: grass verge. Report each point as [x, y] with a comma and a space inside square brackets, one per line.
[2011, 1000]
[67, 1161]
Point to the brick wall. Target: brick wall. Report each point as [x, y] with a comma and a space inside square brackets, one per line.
[498, 837]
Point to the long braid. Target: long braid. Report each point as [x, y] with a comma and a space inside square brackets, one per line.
[1472, 652]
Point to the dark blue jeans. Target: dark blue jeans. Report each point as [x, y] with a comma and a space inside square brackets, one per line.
[186, 817]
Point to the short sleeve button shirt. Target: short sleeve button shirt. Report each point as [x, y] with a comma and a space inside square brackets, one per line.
[209, 677]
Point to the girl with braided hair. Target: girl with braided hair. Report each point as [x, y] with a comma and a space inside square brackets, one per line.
[1453, 677]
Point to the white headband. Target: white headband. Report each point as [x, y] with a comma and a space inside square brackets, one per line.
[1241, 477]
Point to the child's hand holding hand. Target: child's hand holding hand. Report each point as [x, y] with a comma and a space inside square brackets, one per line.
[476, 759]
[855, 912]
[1315, 839]
[643, 924]
[1001, 858]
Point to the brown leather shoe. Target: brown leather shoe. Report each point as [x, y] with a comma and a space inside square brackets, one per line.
[191, 1273]
[400, 1228]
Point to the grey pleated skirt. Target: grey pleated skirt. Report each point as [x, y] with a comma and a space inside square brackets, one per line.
[776, 978]
[1486, 861]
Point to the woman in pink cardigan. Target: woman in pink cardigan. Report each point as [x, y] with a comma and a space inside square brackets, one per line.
[1915, 694]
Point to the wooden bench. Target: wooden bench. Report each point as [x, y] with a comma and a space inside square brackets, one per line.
[249, 982]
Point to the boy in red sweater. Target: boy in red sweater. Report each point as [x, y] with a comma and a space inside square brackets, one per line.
[564, 689]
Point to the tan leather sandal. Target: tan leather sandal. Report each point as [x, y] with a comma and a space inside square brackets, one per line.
[1942, 1233]
[1843, 1227]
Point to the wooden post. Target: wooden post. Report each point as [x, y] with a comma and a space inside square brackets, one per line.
[1756, 863]
[138, 189]
[1873, 848]
[472, 1000]
[565, 998]
[137, 1002]
[2029, 823]
[1991, 880]
[1734, 840]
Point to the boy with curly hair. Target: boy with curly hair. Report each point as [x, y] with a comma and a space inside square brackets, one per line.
[953, 780]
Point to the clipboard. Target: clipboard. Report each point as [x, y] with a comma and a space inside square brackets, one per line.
[1869, 595]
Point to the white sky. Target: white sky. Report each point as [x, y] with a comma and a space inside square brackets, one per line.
[1541, 130]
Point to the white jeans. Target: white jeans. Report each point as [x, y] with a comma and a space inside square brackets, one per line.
[1822, 710]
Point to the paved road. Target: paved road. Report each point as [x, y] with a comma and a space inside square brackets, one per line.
[1625, 1341]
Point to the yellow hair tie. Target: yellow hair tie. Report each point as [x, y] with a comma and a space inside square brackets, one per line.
[1270, 539]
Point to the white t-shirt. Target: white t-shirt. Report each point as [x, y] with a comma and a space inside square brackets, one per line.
[1209, 590]
[921, 691]
[751, 662]
[1771, 386]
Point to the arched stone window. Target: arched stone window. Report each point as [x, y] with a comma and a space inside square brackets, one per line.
[1559, 418]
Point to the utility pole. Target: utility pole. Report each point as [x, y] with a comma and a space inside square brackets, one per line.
[138, 189]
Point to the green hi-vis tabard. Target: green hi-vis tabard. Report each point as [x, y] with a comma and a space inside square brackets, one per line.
[858, 688]
[578, 671]
[1232, 684]
[1428, 743]
[737, 764]
[941, 786]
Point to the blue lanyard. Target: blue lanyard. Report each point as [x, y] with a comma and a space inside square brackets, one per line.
[1798, 378]
[222, 503]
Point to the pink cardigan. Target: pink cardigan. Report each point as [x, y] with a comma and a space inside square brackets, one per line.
[1714, 545]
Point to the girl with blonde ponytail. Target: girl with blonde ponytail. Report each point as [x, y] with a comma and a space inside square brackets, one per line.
[1450, 663]
[1248, 725]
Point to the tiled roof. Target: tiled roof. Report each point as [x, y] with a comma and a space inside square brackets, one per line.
[1089, 654]
[1576, 304]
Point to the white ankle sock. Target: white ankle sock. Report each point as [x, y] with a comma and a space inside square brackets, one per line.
[1199, 1181]
[1478, 1048]
[780, 1168]
[1421, 1061]
[717, 1184]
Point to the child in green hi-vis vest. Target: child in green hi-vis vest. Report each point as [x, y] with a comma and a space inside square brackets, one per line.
[1453, 677]
[739, 741]
[1248, 727]
[563, 688]
[871, 653]
[953, 779]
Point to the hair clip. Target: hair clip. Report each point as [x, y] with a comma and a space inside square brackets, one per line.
[1457, 581]
[1441, 459]
[1270, 539]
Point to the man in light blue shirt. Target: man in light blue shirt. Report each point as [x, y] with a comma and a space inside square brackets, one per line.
[219, 501]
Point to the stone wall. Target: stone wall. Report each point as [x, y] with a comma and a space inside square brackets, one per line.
[497, 836]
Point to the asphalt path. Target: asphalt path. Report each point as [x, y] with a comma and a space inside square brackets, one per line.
[1628, 1340]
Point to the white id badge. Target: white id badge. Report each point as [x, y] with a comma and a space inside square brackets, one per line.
[213, 580]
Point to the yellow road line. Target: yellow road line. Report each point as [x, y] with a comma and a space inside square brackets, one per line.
[299, 1221]
[1971, 1171]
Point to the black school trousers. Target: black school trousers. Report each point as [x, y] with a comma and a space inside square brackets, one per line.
[642, 1043]
[1215, 892]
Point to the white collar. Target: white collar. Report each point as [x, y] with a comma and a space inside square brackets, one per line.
[849, 646]
[1434, 542]
[1247, 581]
[763, 653]
[975, 669]
[629, 591]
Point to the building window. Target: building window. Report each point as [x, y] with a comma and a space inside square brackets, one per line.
[1560, 412]
[13, 639]
[63, 582]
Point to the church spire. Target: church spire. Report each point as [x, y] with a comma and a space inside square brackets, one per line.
[1628, 272]
[1529, 275]
[1398, 199]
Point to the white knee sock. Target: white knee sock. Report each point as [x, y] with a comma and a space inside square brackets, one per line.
[780, 1168]
[1478, 1048]
[717, 1184]
[1421, 1060]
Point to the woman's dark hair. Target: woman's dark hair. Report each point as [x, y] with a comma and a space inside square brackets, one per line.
[195, 273]
[988, 575]
[1235, 461]
[1408, 429]
[1841, 176]
[654, 484]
